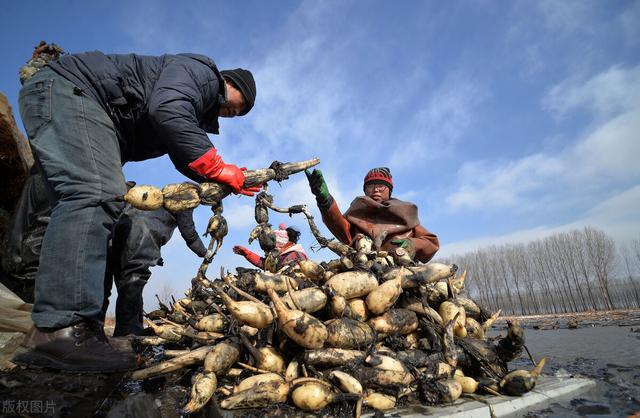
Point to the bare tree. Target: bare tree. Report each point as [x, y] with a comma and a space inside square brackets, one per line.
[564, 272]
[475, 283]
[559, 262]
[482, 262]
[516, 272]
[601, 251]
[498, 267]
[583, 267]
[635, 249]
[537, 254]
[551, 267]
[524, 266]
[628, 261]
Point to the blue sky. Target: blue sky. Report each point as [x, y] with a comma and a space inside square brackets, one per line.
[503, 121]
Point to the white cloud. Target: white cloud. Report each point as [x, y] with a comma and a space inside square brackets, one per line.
[436, 128]
[608, 93]
[602, 159]
[239, 214]
[301, 99]
[610, 153]
[461, 247]
[568, 16]
[619, 209]
[483, 185]
[617, 216]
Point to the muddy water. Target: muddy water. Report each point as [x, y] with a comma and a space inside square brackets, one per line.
[610, 355]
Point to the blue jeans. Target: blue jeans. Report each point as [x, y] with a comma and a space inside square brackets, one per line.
[75, 143]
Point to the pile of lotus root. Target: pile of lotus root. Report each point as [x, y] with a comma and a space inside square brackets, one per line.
[368, 329]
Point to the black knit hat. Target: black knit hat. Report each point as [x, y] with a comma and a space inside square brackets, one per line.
[243, 79]
[379, 175]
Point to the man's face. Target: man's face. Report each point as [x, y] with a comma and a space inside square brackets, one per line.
[235, 103]
[377, 192]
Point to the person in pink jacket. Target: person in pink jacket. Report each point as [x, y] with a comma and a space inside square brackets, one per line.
[286, 244]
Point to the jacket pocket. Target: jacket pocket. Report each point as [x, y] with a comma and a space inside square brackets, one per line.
[35, 105]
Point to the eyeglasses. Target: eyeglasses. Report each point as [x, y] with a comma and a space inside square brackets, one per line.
[374, 187]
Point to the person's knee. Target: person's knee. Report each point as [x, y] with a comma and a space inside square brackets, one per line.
[132, 281]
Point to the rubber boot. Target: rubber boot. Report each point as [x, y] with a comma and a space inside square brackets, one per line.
[129, 306]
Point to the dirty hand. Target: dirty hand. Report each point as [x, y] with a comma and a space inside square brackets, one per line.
[240, 250]
[317, 184]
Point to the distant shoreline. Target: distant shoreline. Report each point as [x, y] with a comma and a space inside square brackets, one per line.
[620, 317]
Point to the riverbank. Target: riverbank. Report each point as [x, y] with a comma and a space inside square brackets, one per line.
[621, 317]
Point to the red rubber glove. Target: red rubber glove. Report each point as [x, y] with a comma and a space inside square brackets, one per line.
[248, 191]
[249, 255]
[211, 166]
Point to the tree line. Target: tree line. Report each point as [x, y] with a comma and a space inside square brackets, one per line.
[576, 271]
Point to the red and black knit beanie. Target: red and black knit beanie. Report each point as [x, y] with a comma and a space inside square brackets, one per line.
[379, 175]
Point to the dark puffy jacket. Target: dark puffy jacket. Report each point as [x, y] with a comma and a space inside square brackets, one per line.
[159, 105]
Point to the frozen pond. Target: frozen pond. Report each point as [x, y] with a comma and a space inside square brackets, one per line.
[610, 355]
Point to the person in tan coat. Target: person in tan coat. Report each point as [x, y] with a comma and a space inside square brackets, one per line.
[389, 222]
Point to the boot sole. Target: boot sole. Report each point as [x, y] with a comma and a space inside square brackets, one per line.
[42, 360]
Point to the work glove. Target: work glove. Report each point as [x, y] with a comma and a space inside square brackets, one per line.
[211, 166]
[319, 188]
[405, 244]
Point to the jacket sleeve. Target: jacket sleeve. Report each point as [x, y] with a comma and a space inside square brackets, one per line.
[187, 229]
[254, 259]
[186, 171]
[180, 96]
[339, 226]
[426, 243]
